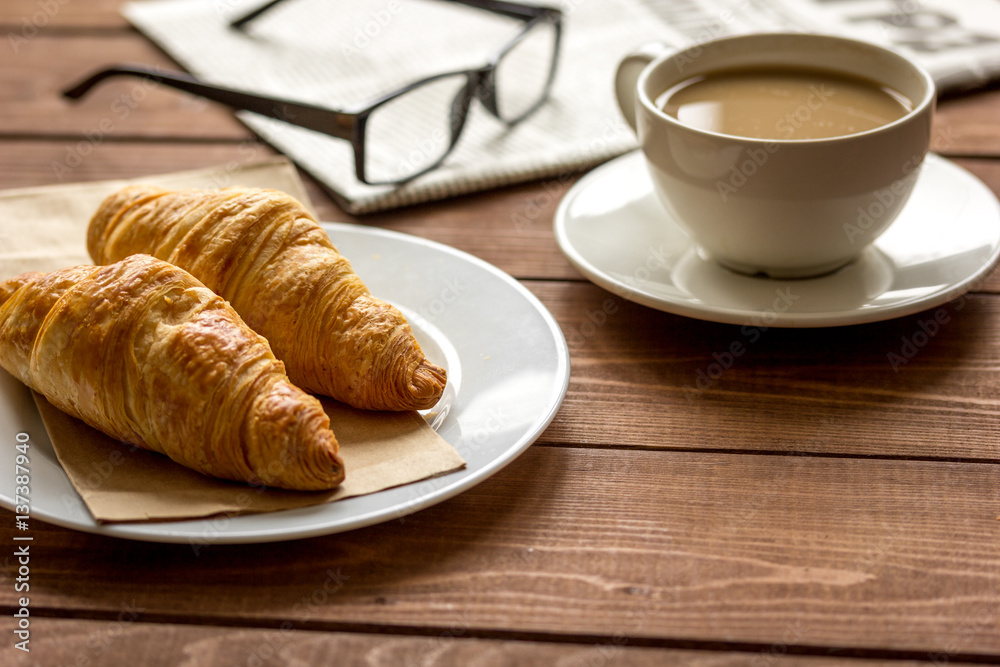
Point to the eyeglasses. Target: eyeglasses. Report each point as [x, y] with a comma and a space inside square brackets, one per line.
[410, 131]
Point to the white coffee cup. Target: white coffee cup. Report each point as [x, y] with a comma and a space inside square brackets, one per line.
[785, 208]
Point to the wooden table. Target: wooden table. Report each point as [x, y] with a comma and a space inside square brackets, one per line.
[814, 506]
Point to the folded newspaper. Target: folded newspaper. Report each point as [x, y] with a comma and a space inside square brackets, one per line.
[342, 53]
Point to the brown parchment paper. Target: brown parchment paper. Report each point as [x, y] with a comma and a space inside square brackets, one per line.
[43, 229]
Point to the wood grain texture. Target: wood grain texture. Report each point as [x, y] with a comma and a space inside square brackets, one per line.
[59, 642]
[44, 62]
[641, 378]
[595, 544]
[43, 66]
[508, 227]
[867, 390]
[967, 124]
[27, 18]
[52, 162]
[480, 224]
[813, 500]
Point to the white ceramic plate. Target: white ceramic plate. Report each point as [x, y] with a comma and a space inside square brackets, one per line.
[508, 370]
[612, 228]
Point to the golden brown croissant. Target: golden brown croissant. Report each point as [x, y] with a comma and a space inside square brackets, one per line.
[263, 252]
[145, 353]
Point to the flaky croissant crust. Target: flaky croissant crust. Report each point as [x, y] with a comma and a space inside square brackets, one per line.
[142, 351]
[263, 252]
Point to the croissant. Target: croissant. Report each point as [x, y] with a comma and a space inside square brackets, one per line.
[145, 353]
[264, 253]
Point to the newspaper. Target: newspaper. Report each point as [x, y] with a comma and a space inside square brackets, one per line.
[344, 53]
[957, 42]
[340, 54]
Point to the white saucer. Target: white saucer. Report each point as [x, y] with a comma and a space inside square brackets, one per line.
[508, 371]
[612, 228]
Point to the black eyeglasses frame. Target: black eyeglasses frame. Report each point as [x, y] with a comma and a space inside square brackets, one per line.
[351, 124]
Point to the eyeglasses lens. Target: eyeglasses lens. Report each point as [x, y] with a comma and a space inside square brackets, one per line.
[412, 132]
[524, 72]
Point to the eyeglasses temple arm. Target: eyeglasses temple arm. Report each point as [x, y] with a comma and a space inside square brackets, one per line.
[512, 9]
[251, 15]
[334, 123]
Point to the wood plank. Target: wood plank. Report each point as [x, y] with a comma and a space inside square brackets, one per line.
[881, 389]
[819, 552]
[47, 62]
[59, 642]
[30, 18]
[43, 66]
[508, 227]
[481, 224]
[34, 163]
[512, 227]
[966, 125]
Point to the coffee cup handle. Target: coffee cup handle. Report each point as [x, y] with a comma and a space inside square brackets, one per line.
[628, 75]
